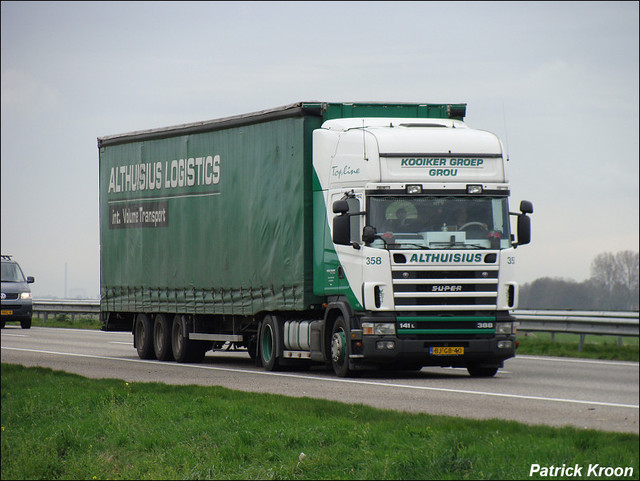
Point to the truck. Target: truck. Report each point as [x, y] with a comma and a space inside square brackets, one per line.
[350, 235]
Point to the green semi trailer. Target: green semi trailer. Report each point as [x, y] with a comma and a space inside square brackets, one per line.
[350, 234]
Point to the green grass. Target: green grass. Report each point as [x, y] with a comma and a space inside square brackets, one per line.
[57, 425]
[567, 345]
[64, 320]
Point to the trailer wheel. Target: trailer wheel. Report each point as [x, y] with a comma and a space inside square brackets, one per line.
[183, 349]
[162, 338]
[179, 340]
[143, 337]
[269, 344]
[340, 348]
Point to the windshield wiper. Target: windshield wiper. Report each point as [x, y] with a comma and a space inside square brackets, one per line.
[389, 244]
[457, 244]
[415, 245]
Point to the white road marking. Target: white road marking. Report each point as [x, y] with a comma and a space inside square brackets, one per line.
[580, 361]
[340, 380]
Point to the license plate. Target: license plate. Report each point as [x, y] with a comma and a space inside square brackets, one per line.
[6, 312]
[446, 351]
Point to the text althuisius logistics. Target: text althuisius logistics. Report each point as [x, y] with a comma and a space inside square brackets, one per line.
[189, 172]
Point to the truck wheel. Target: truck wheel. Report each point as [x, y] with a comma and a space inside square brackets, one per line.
[482, 371]
[143, 337]
[26, 324]
[269, 344]
[340, 348]
[162, 338]
[179, 341]
[183, 349]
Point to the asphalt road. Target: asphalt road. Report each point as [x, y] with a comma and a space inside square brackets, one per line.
[552, 391]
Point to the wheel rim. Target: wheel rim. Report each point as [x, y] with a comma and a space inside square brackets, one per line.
[338, 342]
[267, 343]
[177, 335]
[159, 332]
[139, 333]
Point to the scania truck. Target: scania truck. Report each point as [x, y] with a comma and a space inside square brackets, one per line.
[354, 235]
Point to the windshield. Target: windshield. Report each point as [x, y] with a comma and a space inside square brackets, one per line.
[459, 222]
[11, 273]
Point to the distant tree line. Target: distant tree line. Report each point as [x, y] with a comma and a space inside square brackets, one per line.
[613, 286]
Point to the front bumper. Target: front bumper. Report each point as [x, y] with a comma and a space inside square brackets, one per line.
[17, 310]
[415, 351]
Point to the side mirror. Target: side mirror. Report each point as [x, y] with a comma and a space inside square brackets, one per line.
[524, 229]
[340, 207]
[31, 280]
[341, 228]
[368, 234]
[526, 207]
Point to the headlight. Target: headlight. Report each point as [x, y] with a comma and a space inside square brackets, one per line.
[378, 328]
[504, 327]
[25, 295]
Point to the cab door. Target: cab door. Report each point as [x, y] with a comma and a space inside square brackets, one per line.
[343, 263]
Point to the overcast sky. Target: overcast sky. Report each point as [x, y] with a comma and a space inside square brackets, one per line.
[558, 82]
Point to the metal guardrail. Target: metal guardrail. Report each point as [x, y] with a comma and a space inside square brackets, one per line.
[603, 323]
[43, 308]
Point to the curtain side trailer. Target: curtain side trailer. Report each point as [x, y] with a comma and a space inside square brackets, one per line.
[351, 234]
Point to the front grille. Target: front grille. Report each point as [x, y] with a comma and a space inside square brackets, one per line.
[10, 296]
[452, 272]
[448, 288]
[445, 302]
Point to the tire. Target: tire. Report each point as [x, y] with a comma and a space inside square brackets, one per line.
[25, 324]
[339, 346]
[183, 349]
[143, 337]
[269, 344]
[179, 342]
[252, 347]
[3, 324]
[162, 338]
[482, 371]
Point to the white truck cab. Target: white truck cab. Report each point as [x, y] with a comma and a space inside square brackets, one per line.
[421, 243]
